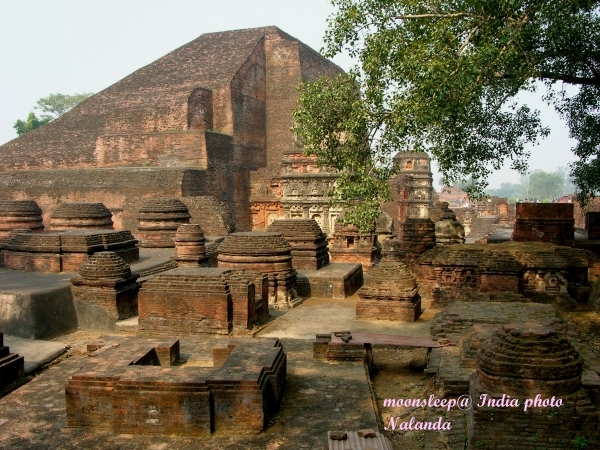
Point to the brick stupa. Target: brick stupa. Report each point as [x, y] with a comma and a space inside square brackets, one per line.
[309, 243]
[390, 293]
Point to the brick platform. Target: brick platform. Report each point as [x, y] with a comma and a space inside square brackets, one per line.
[189, 301]
[64, 251]
[122, 389]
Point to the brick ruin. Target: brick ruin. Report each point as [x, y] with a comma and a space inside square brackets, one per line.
[418, 236]
[81, 216]
[390, 292]
[592, 225]
[190, 301]
[63, 251]
[190, 248]
[305, 188]
[308, 242]
[350, 245]
[509, 352]
[105, 291]
[448, 230]
[510, 272]
[158, 221]
[529, 363]
[210, 119]
[267, 253]
[412, 188]
[19, 214]
[545, 222]
[141, 386]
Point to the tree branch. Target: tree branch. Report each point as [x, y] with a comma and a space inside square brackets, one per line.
[570, 78]
[437, 16]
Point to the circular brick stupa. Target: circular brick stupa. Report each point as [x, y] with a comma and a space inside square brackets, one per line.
[19, 214]
[527, 391]
[309, 243]
[105, 291]
[390, 292]
[190, 249]
[418, 236]
[267, 253]
[523, 361]
[81, 216]
[158, 221]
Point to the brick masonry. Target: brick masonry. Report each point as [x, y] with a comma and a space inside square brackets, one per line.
[141, 386]
[545, 222]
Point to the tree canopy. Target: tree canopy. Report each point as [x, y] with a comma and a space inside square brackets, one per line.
[31, 123]
[52, 106]
[56, 105]
[442, 77]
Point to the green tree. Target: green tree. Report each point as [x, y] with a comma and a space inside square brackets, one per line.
[546, 185]
[56, 105]
[53, 106]
[31, 123]
[443, 76]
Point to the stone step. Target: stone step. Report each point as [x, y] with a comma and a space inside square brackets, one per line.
[130, 324]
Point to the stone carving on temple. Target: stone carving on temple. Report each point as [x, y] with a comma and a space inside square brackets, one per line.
[306, 188]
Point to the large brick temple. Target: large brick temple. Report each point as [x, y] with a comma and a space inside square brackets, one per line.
[209, 122]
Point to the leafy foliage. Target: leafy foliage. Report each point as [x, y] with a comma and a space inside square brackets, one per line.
[442, 77]
[31, 123]
[56, 105]
[53, 106]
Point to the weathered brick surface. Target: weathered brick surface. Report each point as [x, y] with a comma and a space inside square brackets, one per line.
[267, 253]
[106, 280]
[592, 225]
[64, 251]
[350, 245]
[19, 214]
[190, 249]
[80, 215]
[189, 301]
[309, 243]
[158, 221]
[545, 222]
[122, 389]
[390, 292]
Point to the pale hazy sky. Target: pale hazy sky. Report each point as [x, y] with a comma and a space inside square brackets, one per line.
[69, 46]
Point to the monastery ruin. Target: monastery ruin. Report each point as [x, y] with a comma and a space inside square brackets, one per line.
[169, 235]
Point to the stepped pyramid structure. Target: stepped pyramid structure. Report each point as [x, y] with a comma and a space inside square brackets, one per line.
[210, 119]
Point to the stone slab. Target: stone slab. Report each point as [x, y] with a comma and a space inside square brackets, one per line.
[36, 353]
[335, 280]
